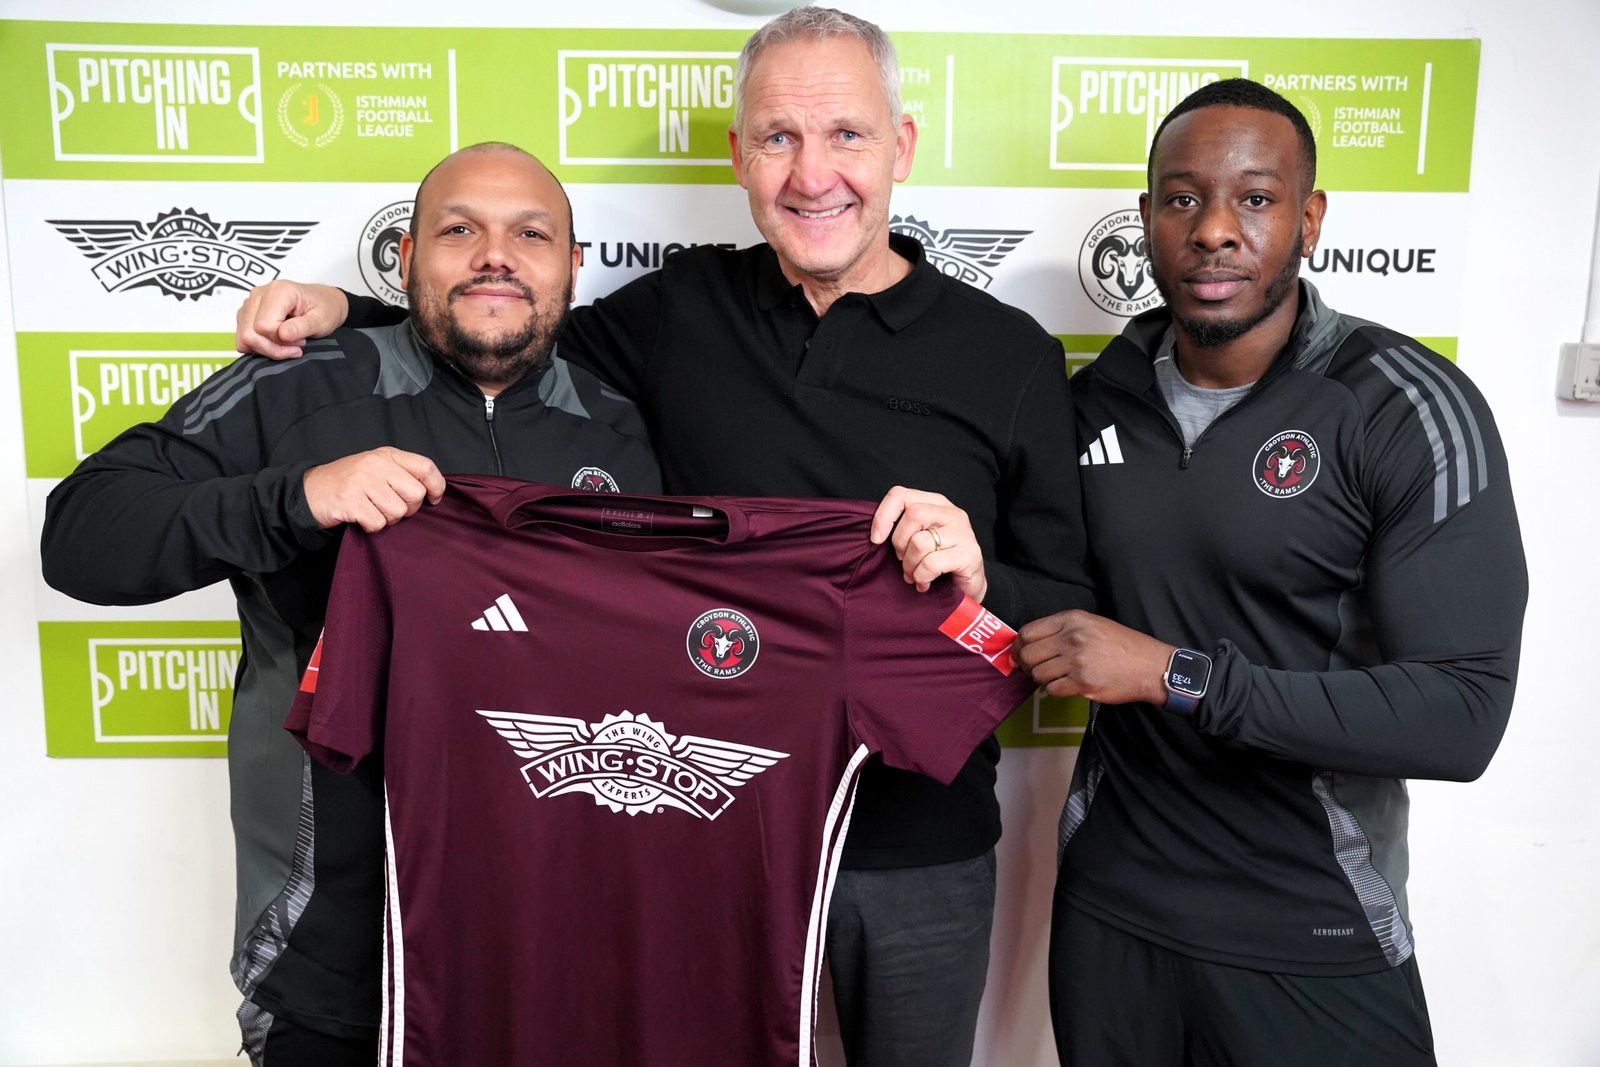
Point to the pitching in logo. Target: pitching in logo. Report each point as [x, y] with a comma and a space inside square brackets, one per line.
[1287, 464]
[723, 643]
[982, 632]
[630, 763]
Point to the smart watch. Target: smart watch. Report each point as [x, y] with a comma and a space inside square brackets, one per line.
[1188, 673]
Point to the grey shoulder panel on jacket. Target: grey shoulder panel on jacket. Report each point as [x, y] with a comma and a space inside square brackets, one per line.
[404, 368]
[1320, 331]
[569, 388]
[1414, 390]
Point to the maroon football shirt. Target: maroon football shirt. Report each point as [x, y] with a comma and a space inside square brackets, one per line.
[621, 737]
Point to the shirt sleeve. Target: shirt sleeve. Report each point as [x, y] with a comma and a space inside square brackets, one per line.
[338, 713]
[1441, 604]
[1040, 566]
[197, 497]
[928, 675]
[368, 311]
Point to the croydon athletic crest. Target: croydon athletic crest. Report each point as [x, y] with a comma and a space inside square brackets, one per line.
[629, 763]
[961, 254]
[378, 252]
[183, 252]
[723, 643]
[595, 480]
[1113, 267]
[1287, 464]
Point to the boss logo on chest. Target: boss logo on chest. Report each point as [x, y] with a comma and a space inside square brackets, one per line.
[910, 407]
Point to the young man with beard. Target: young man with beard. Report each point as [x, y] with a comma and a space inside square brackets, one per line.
[1302, 532]
[251, 478]
[834, 360]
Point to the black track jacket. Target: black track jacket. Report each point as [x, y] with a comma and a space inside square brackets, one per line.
[1343, 542]
[214, 491]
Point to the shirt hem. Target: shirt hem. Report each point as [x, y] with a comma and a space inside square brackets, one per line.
[1303, 968]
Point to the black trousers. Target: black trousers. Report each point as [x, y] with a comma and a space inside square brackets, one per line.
[1118, 999]
[272, 1041]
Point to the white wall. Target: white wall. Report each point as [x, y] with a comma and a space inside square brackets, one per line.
[116, 896]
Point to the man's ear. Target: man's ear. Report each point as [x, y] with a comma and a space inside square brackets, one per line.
[1316, 207]
[905, 146]
[738, 159]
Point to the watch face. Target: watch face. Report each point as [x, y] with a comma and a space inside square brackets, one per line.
[1189, 672]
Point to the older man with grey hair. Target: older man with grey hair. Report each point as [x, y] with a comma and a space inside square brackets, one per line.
[841, 363]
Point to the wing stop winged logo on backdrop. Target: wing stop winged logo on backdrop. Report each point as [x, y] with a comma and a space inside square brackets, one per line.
[962, 254]
[154, 104]
[182, 252]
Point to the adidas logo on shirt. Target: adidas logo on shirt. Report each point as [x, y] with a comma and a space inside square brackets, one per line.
[1103, 449]
[501, 615]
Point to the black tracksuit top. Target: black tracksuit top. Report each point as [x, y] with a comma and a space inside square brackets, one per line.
[214, 491]
[1344, 543]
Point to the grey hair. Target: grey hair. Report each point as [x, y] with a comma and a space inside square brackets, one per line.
[812, 23]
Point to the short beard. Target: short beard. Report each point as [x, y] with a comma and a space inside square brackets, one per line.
[499, 362]
[1207, 333]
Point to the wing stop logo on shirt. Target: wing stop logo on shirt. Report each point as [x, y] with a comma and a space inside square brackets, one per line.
[961, 254]
[723, 643]
[182, 252]
[629, 763]
[1114, 268]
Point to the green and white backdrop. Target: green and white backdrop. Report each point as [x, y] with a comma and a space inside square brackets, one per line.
[153, 171]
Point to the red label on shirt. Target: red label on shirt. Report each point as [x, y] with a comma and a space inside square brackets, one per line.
[308, 680]
[979, 630]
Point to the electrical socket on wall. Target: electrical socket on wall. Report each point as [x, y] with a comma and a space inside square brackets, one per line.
[1579, 378]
